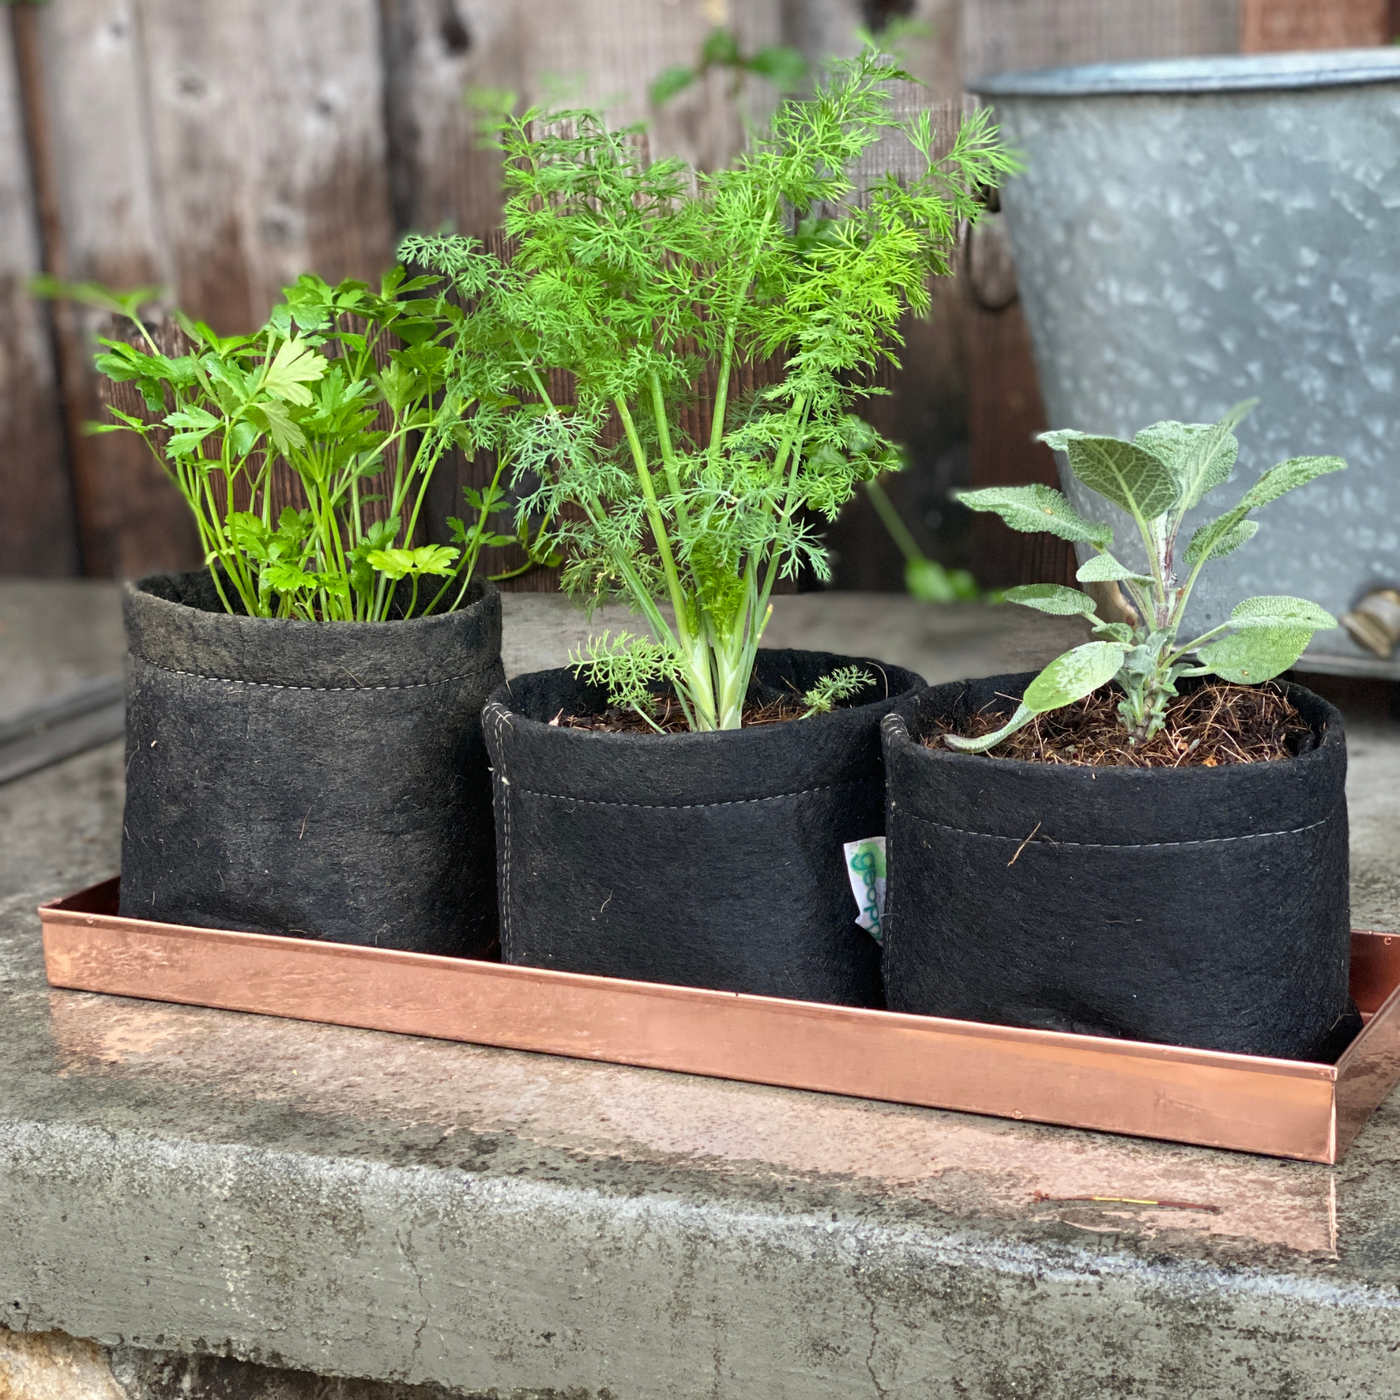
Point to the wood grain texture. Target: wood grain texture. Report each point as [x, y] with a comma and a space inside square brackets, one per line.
[94, 155]
[269, 147]
[1004, 35]
[37, 528]
[1273, 25]
[555, 52]
[1004, 415]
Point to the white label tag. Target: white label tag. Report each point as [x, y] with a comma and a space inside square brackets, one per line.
[865, 865]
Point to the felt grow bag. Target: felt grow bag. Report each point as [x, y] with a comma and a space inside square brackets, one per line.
[1188, 906]
[316, 779]
[705, 860]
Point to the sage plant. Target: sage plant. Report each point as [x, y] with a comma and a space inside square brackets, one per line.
[1165, 471]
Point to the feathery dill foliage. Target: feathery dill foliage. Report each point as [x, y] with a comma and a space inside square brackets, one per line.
[639, 278]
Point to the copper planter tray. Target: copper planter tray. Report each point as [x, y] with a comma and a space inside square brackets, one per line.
[1281, 1108]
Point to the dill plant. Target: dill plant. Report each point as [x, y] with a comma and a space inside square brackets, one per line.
[645, 280]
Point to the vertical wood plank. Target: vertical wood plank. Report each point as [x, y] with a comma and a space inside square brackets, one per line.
[1273, 25]
[441, 176]
[37, 527]
[553, 52]
[269, 147]
[95, 155]
[1004, 35]
[1004, 415]
[95, 91]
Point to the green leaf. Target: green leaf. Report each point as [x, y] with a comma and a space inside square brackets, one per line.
[125, 421]
[929, 582]
[243, 436]
[784, 67]
[1018, 720]
[294, 366]
[1035, 508]
[1122, 472]
[194, 425]
[675, 79]
[1073, 676]
[1200, 455]
[398, 384]
[1279, 610]
[248, 533]
[721, 47]
[285, 434]
[1104, 568]
[845, 683]
[1220, 538]
[1255, 654]
[1066, 679]
[404, 563]
[201, 334]
[1052, 598]
[1287, 476]
[94, 294]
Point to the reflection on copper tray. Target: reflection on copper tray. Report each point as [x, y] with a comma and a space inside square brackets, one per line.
[1281, 1108]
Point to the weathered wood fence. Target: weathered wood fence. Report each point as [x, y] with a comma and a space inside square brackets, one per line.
[220, 147]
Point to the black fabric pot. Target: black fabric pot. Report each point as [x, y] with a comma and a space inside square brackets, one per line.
[1189, 906]
[707, 860]
[317, 779]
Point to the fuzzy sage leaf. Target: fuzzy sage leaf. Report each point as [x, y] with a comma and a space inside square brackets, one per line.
[1066, 679]
[1131, 477]
[1052, 598]
[1104, 568]
[1032, 509]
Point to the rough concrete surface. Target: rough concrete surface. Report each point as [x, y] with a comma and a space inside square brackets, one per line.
[251, 1208]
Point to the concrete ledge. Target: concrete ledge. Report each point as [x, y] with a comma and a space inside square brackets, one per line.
[247, 1208]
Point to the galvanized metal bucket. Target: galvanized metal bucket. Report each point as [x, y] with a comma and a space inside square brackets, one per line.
[1193, 232]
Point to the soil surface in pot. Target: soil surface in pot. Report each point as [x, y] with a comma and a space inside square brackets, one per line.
[669, 718]
[1207, 727]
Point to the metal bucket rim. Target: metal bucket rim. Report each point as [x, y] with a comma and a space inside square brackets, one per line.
[1219, 73]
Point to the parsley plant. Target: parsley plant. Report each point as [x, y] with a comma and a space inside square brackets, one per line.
[347, 387]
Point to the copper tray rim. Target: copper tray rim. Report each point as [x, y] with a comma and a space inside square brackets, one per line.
[670, 991]
[1305, 1128]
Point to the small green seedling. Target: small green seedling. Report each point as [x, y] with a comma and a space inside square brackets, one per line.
[1165, 471]
[845, 683]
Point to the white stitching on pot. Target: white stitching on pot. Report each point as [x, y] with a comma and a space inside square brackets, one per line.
[272, 685]
[498, 717]
[685, 806]
[1124, 846]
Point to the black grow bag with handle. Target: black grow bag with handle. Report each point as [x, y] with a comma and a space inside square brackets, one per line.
[316, 779]
[1188, 906]
[704, 860]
